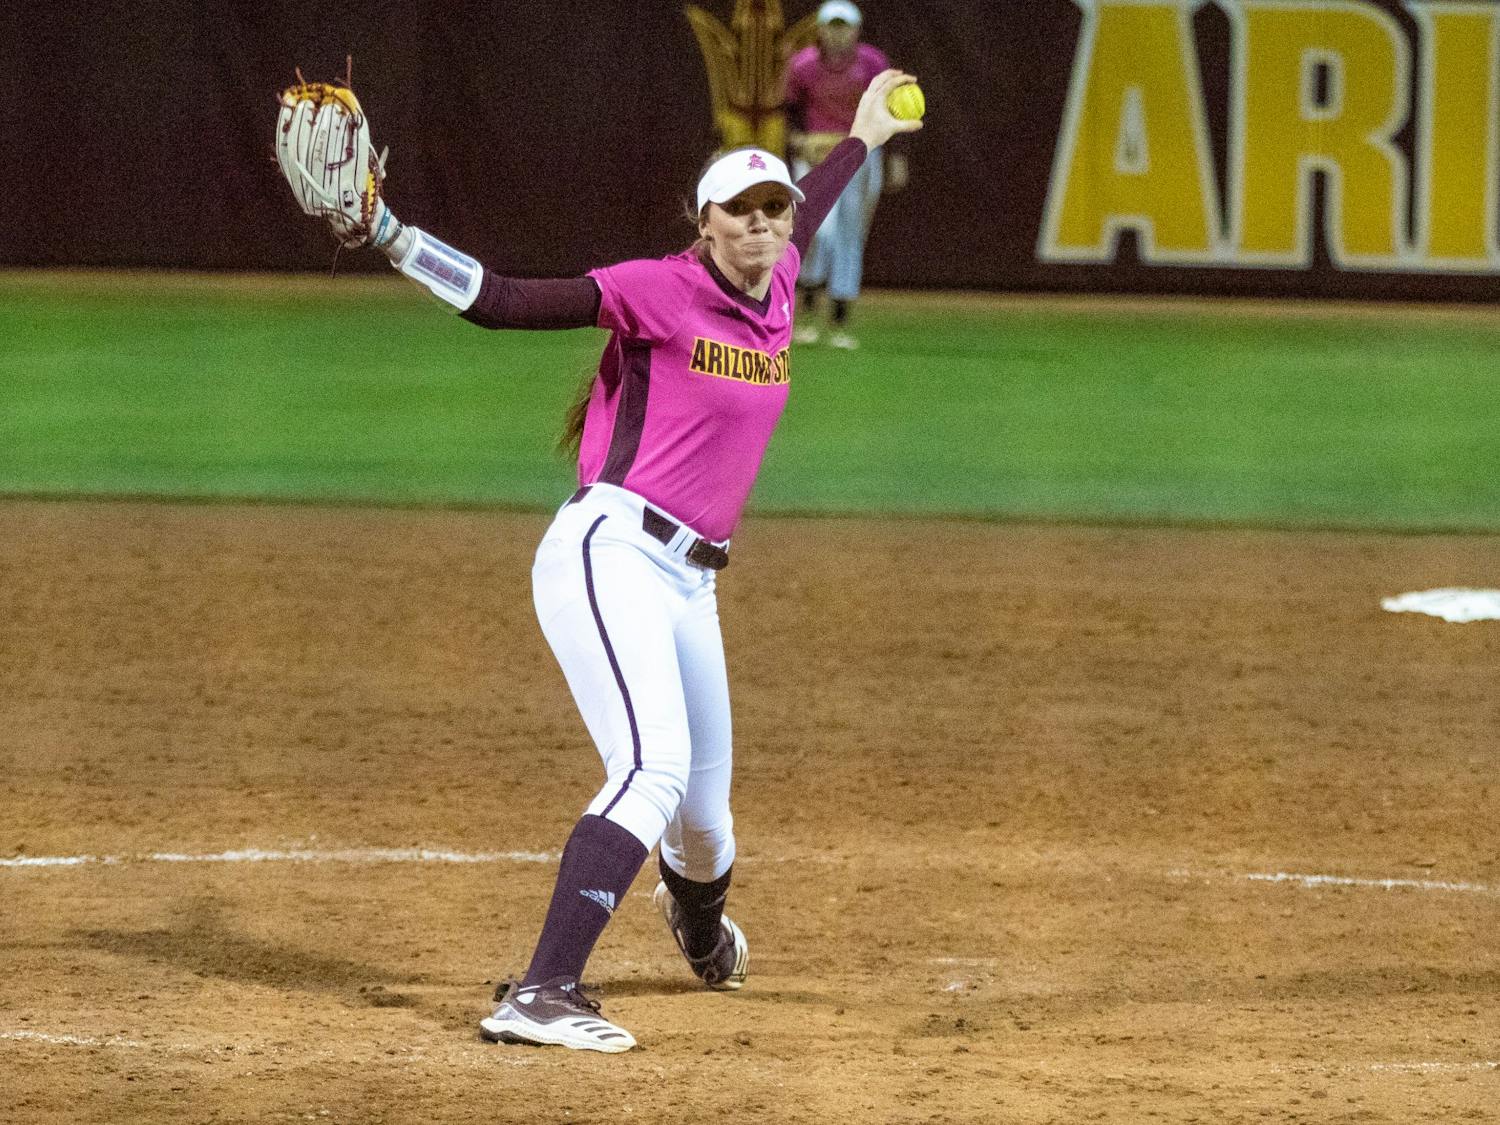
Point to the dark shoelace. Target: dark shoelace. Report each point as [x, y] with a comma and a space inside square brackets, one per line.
[508, 988]
[579, 996]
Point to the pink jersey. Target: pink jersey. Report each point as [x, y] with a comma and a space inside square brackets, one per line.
[690, 386]
[828, 97]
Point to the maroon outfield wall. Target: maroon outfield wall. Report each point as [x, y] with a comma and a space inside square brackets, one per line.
[1242, 147]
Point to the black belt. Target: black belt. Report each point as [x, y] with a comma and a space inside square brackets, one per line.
[700, 553]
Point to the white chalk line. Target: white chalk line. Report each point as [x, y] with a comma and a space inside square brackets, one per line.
[308, 855]
[1381, 884]
[1306, 880]
[1433, 1067]
[441, 856]
[295, 855]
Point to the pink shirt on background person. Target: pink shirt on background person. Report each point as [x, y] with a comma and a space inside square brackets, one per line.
[828, 96]
[690, 388]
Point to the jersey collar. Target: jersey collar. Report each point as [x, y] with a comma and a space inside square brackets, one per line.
[740, 297]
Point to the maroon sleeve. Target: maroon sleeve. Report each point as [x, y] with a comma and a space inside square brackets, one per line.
[823, 186]
[513, 302]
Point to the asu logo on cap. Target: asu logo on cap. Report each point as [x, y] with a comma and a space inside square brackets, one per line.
[735, 171]
[743, 365]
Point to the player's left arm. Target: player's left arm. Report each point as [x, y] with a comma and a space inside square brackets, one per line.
[484, 297]
[514, 302]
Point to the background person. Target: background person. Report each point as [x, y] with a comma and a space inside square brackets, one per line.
[823, 88]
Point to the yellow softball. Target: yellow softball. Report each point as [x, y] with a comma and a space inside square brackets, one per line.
[906, 102]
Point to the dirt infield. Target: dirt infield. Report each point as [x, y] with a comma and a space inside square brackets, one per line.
[1037, 825]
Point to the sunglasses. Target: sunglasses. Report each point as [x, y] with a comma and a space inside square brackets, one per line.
[772, 208]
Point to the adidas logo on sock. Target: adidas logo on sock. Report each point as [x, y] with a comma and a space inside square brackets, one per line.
[605, 899]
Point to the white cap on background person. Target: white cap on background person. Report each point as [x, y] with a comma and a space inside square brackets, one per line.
[839, 10]
[744, 168]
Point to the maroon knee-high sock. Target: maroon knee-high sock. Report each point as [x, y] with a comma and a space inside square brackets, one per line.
[699, 906]
[599, 863]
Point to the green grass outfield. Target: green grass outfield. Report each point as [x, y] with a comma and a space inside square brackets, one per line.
[1145, 410]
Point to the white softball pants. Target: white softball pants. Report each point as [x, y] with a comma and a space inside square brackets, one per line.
[635, 628]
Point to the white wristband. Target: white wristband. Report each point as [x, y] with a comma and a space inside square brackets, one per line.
[451, 276]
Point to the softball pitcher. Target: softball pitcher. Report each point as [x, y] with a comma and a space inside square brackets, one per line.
[670, 433]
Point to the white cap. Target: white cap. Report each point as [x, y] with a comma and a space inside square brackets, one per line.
[729, 175]
[838, 10]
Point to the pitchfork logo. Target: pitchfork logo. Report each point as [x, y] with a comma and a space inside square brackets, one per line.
[757, 162]
[745, 55]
